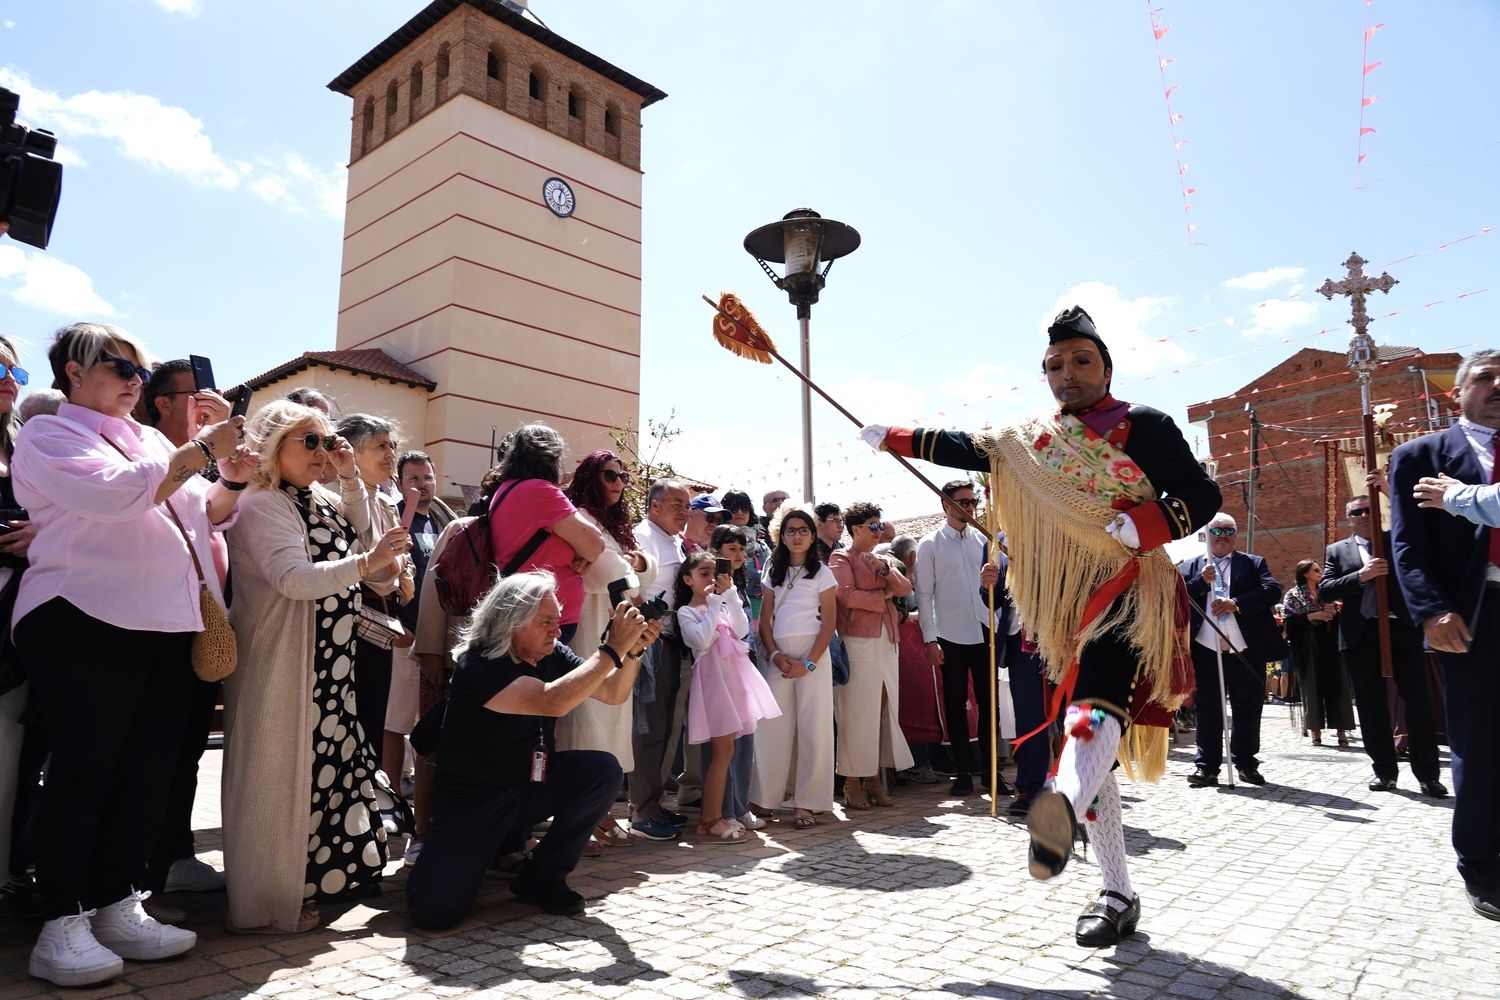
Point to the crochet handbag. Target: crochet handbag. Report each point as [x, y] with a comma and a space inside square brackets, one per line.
[214, 651]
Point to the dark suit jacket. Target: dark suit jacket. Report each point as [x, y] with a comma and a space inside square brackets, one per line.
[1254, 589]
[1341, 565]
[1440, 560]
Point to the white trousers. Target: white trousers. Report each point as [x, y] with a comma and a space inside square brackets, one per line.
[804, 730]
[869, 736]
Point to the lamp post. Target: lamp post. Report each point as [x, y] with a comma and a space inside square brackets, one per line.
[802, 240]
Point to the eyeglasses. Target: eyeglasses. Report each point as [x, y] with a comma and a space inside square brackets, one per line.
[1223, 532]
[611, 476]
[125, 369]
[796, 532]
[1361, 512]
[874, 527]
[970, 503]
[328, 441]
[21, 375]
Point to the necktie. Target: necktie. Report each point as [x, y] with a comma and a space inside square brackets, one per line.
[1494, 533]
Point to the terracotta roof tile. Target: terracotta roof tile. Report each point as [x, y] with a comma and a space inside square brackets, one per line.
[370, 361]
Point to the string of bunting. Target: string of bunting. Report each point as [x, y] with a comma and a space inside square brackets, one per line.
[1366, 97]
[1158, 32]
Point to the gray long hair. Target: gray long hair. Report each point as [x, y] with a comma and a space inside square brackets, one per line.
[510, 605]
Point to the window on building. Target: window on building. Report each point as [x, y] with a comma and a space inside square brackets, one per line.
[392, 100]
[534, 85]
[575, 104]
[416, 82]
[367, 123]
[611, 122]
[442, 63]
[492, 66]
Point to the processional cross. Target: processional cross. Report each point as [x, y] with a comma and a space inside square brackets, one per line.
[1357, 285]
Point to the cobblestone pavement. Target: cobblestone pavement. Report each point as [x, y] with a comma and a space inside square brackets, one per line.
[1310, 887]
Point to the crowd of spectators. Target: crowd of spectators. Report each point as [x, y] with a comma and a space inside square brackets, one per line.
[747, 668]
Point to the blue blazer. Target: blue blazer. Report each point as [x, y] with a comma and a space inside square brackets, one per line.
[1439, 560]
[1254, 589]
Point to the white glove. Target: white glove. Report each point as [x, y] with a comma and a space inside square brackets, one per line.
[1122, 530]
[874, 435]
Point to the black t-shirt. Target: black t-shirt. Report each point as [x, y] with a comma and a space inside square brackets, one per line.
[424, 535]
[481, 752]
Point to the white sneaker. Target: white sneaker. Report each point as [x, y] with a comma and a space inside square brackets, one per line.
[128, 930]
[191, 875]
[66, 953]
[413, 851]
[750, 821]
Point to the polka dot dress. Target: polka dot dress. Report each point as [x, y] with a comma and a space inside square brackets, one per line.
[346, 845]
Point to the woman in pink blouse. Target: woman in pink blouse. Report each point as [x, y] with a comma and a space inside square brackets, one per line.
[104, 622]
[867, 708]
[530, 511]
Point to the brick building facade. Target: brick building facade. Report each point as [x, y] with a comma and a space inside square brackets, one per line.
[1306, 400]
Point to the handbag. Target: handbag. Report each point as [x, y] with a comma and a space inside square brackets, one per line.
[214, 651]
[380, 629]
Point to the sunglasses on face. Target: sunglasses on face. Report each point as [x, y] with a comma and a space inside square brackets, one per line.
[125, 369]
[970, 503]
[21, 375]
[874, 527]
[1223, 532]
[1361, 512]
[796, 532]
[612, 477]
[328, 441]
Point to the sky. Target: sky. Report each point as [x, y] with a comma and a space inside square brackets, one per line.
[1000, 160]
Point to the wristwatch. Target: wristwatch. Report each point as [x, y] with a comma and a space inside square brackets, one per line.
[809, 665]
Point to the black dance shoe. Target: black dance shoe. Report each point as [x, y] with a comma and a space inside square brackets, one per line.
[1379, 784]
[1250, 775]
[1101, 925]
[1434, 789]
[1202, 777]
[1051, 823]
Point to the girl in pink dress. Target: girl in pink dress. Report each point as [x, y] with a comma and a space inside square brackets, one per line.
[728, 697]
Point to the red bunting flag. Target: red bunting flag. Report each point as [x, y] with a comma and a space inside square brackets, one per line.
[1370, 66]
[1370, 31]
[1365, 102]
[1162, 32]
[1366, 130]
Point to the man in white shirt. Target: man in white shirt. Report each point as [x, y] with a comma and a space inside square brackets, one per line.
[955, 620]
[660, 535]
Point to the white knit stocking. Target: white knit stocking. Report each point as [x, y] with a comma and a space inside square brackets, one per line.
[1107, 837]
[1087, 756]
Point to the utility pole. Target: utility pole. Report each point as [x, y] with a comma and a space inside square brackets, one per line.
[1254, 476]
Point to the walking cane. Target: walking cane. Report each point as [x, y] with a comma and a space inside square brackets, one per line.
[1208, 603]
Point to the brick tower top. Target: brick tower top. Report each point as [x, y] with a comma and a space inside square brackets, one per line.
[494, 51]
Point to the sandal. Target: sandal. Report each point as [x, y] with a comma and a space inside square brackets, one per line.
[1317, 738]
[854, 794]
[722, 830]
[878, 795]
[308, 918]
[804, 820]
[610, 835]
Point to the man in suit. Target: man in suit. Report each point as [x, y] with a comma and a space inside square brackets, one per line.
[1349, 575]
[1449, 571]
[1240, 592]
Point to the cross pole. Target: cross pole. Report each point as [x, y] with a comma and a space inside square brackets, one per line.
[1357, 285]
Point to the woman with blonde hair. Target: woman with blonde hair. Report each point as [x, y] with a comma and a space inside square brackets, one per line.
[104, 622]
[302, 790]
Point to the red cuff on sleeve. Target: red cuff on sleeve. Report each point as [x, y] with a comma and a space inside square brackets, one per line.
[1150, 525]
[900, 441]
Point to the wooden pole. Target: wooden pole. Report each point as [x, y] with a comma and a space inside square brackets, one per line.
[1377, 540]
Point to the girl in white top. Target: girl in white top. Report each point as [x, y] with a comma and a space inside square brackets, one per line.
[798, 615]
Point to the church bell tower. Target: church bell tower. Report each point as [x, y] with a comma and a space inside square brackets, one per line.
[492, 232]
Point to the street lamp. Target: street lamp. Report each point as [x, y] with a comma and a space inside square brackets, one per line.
[802, 240]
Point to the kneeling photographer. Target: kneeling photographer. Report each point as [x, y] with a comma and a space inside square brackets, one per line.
[497, 766]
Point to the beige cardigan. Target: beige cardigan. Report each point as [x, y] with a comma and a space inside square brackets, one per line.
[268, 712]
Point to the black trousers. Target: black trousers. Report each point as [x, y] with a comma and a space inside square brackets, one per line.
[1409, 665]
[1028, 695]
[372, 689]
[114, 702]
[961, 663]
[463, 840]
[1473, 695]
[175, 840]
[1247, 698]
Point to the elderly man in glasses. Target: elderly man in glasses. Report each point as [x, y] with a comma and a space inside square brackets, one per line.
[1349, 575]
[1239, 592]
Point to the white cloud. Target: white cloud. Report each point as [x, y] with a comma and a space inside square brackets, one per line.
[9, 24]
[1259, 281]
[171, 140]
[1122, 322]
[188, 7]
[166, 138]
[1275, 317]
[42, 282]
